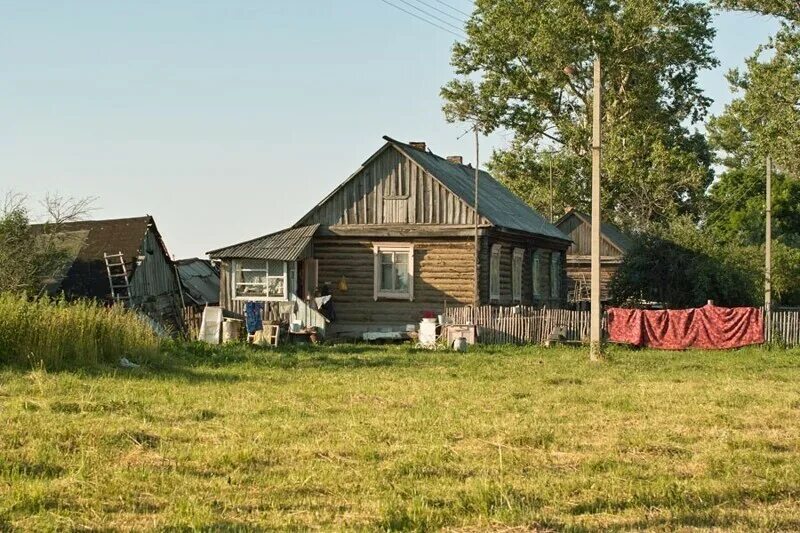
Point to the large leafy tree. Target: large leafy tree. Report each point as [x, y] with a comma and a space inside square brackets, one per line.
[764, 119]
[526, 68]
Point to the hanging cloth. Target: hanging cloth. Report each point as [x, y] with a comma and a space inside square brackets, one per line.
[252, 314]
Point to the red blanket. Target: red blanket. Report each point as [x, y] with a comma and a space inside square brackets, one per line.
[708, 327]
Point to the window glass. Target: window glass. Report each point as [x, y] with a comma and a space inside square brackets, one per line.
[259, 279]
[393, 272]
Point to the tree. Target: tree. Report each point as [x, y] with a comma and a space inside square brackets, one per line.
[31, 258]
[526, 68]
[681, 266]
[788, 9]
[764, 119]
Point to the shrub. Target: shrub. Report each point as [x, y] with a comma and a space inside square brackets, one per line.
[59, 334]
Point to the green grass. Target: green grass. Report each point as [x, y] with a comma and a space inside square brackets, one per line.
[358, 437]
[57, 334]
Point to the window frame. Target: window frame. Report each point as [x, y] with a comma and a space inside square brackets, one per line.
[517, 259]
[494, 271]
[379, 248]
[236, 268]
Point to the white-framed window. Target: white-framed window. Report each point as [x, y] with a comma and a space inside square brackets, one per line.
[536, 261]
[494, 272]
[516, 274]
[260, 279]
[394, 271]
[555, 275]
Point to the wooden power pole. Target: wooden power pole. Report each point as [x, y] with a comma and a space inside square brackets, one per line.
[768, 254]
[476, 284]
[596, 340]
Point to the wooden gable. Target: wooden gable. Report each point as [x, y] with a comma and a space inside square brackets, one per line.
[580, 232]
[390, 189]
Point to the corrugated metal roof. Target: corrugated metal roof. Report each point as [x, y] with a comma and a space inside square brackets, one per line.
[287, 245]
[495, 202]
[200, 280]
[614, 235]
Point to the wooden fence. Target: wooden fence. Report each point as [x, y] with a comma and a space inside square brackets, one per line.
[528, 325]
[785, 326]
[522, 324]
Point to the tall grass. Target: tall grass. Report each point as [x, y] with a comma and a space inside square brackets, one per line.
[60, 334]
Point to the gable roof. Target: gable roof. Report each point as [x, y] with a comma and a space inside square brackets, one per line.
[612, 233]
[496, 203]
[87, 241]
[287, 245]
[200, 280]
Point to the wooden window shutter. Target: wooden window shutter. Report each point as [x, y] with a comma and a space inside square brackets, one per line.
[494, 272]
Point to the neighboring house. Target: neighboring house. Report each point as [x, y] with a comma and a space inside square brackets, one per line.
[397, 239]
[152, 279]
[200, 280]
[613, 246]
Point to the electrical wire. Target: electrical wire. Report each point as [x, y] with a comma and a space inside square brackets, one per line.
[719, 211]
[453, 8]
[442, 11]
[460, 36]
[431, 15]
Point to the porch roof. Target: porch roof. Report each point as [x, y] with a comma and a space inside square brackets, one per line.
[286, 245]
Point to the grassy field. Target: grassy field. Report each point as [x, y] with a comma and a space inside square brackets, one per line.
[358, 437]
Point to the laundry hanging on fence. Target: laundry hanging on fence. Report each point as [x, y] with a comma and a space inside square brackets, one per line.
[708, 327]
[252, 315]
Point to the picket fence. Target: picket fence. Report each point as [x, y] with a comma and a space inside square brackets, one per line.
[785, 326]
[522, 324]
[528, 325]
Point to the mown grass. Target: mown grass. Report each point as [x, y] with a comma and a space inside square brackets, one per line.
[369, 438]
[57, 334]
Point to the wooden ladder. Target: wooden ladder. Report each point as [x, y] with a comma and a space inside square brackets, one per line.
[117, 276]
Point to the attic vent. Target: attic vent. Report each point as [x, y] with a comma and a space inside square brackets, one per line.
[457, 159]
[419, 145]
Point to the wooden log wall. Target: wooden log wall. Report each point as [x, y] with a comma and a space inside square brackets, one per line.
[442, 272]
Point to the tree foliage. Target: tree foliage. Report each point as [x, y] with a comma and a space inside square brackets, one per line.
[526, 68]
[32, 258]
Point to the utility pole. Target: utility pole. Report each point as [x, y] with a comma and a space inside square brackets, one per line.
[768, 253]
[595, 337]
[476, 284]
[551, 187]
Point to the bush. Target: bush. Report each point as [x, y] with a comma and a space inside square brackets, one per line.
[681, 266]
[58, 334]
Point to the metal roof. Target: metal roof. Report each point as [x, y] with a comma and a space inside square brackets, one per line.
[611, 232]
[200, 280]
[495, 202]
[287, 245]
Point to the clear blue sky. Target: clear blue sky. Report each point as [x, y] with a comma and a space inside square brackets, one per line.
[229, 119]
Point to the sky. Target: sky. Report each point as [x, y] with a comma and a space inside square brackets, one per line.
[230, 119]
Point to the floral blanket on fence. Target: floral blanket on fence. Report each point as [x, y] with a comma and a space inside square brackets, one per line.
[707, 327]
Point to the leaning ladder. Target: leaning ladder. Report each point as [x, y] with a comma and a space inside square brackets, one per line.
[117, 276]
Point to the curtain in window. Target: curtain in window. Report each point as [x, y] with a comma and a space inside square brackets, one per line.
[494, 273]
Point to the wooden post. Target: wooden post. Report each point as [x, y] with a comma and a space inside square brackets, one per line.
[768, 258]
[476, 283]
[596, 346]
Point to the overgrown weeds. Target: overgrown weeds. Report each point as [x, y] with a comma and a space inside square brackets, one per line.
[57, 334]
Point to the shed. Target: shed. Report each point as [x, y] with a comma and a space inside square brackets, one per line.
[614, 243]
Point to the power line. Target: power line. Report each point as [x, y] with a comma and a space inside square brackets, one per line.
[442, 11]
[423, 19]
[453, 8]
[719, 211]
[431, 15]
